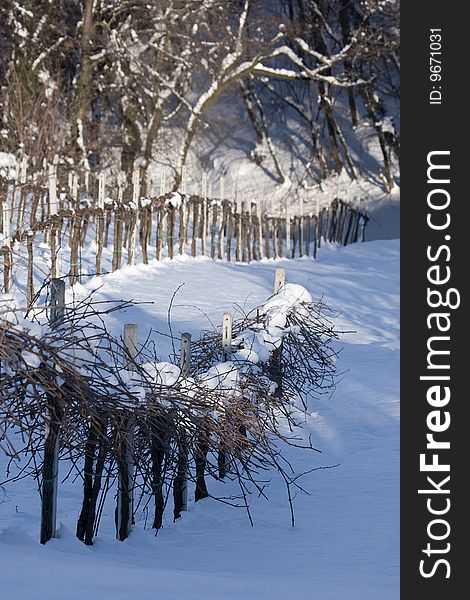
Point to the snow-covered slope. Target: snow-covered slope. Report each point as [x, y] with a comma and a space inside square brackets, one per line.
[345, 543]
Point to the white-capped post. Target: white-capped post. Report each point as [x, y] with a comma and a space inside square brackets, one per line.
[279, 280]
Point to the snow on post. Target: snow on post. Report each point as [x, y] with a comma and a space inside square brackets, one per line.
[50, 466]
[279, 280]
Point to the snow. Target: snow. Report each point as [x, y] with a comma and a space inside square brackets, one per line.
[345, 544]
[31, 359]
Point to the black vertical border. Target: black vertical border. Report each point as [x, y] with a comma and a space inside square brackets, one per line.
[426, 128]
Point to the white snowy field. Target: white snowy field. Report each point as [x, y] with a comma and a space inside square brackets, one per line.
[345, 544]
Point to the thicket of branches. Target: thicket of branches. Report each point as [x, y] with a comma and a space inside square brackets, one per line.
[92, 78]
[226, 416]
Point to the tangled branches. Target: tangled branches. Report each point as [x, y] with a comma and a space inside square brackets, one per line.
[115, 410]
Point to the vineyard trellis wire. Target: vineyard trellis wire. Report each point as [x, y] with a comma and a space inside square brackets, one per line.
[136, 227]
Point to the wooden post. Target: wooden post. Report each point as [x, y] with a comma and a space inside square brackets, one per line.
[259, 234]
[288, 233]
[229, 232]
[74, 190]
[213, 228]
[99, 240]
[52, 189]
[30, 283]
[180, 484]
[101, 190]
[243, 232]
[267, 235]
[50, 466]
[238, 231]
[279, 280]
[203, 226]
[295, 235]
[130, 346]
[227, 322]
[125, 497]
[280, 237]
[182, 225]
[195, 227]
[74, 249]
[276, 356]
[6, 221]
[308, 225]
[57, 308]
[170, 226]
[117, 248]
[249, 233]
[301, 227]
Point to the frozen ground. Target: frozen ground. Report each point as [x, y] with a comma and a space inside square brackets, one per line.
[345, 545]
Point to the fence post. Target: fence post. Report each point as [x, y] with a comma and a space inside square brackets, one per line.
[227, 322]
[52, 189]
[125, 497]
[180, 484]
[50, 466]
[6, 250]
[279, 280]
[101, 189]
[276, 357]
[30, 281]
[227, 335]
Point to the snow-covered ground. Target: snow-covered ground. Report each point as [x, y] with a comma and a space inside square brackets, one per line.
[345, 545]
